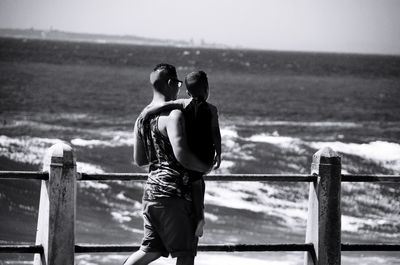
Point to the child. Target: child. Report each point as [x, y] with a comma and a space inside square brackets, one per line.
[202, 131]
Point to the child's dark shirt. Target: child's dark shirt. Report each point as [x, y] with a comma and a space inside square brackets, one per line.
[198, 118]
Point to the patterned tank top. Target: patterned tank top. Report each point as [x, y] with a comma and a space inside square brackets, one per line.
[167, 177]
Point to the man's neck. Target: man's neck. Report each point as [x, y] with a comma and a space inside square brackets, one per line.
[159, 98]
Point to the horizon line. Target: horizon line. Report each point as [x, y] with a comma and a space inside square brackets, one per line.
[168, 42]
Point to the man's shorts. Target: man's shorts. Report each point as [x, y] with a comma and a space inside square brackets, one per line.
[169, 227]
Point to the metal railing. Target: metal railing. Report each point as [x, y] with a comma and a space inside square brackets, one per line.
[323, 237]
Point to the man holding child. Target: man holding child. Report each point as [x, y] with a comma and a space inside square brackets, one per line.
[174, 191]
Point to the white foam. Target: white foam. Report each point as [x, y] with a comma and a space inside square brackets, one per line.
[121, 196]
[88, 168]
[385, 153]
[114, 139]
[228, 132]
[273, 139]
[264, 122]
[136, 205]
[369, 259]
[25, 149]
[285, 142]
[89, 143]
[224, 167]
[33, 150]
[355, 224]
[257, 197]
[97, 137]
[93, 184]
[232, 150]
[121, 217]
[211, 217]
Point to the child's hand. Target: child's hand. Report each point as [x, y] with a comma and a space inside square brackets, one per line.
[149, 111]
[217, 161]
[146, 115]
[199, 228]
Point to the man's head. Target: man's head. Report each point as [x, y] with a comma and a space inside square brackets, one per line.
[165, 80]
[197, 85]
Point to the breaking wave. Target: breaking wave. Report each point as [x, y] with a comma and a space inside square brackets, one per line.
[32, 150]
[384, 153]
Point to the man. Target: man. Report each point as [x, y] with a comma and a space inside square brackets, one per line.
[167, 209]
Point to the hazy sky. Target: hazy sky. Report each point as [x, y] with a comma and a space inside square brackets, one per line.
[362, 26]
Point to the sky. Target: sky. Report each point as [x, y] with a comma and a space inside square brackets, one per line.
[356, 26]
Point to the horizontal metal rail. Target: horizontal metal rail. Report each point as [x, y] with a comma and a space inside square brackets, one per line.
[370, 247]
[21, 248]
[85, 248]
[24, 175]
[213, 177]
[371, 178]
[242, 248]
[113, 176]
[206, 248]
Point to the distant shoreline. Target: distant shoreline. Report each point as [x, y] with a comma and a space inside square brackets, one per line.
[56, 35]
[103, 39]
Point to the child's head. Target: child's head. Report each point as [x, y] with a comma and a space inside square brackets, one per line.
[197, 85]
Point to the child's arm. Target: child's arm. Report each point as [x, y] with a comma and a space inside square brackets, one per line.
[198, 188]
[159, 108]
[216, 135]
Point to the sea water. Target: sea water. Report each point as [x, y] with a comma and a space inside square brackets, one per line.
[275, 110]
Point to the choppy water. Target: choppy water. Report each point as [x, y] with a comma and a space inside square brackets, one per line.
[276, 110]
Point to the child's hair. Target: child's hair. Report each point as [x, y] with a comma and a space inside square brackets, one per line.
[196, 83]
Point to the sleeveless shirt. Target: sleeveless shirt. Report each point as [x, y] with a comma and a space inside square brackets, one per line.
[167, 177]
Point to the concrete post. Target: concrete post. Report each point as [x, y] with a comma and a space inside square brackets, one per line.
[324, 214]
[56, 220]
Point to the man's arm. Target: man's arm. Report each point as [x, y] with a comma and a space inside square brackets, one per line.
[164, 107]
[177, 137]
[139, 154]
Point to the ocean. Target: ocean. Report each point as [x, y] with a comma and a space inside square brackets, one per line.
[276, 110]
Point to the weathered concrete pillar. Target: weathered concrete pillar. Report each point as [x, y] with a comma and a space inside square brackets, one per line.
[324, 214]
[56, 220]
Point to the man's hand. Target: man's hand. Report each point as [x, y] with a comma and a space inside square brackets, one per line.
[199, 228]
[217, 161]
[150, 111]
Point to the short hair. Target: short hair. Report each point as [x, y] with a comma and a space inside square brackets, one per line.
[168, 69]
[196, 81]
[162, 72]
